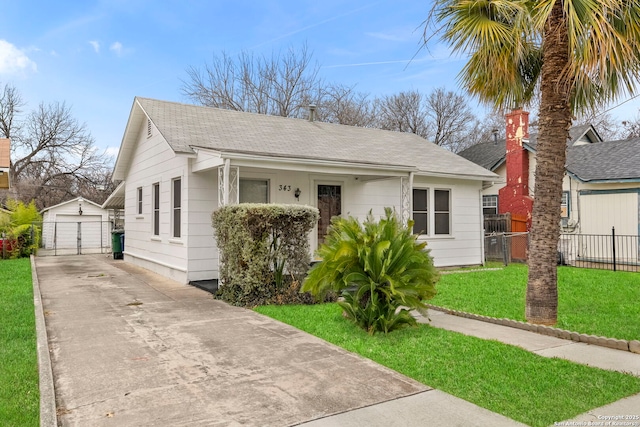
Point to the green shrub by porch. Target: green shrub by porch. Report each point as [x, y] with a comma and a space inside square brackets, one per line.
[264, 252]
[381, 269]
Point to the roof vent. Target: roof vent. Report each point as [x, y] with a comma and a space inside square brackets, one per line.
[312, 112]
[149, 128]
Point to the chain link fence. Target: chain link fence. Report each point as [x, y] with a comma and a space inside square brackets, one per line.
[74, 238]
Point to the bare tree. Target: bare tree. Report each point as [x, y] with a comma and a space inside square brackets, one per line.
[54, 157]
[449, 119]
[631, 128]
[11, 104]
[343, 105]
[404, 112]
[283, 84]
[604, 123]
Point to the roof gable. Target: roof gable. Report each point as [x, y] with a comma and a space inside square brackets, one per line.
[81, 199]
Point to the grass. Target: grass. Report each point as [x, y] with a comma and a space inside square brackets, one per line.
[596, 302]
[520, 385]
[19, 394]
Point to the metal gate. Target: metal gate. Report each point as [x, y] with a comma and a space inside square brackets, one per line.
[74, 237]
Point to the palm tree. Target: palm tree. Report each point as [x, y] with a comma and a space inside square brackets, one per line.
[577, 54]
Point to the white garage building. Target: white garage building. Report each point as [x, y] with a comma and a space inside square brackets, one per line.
[76, 226]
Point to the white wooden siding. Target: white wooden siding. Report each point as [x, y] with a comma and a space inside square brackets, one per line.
[600, 212]
[153, 161]
[464, 245]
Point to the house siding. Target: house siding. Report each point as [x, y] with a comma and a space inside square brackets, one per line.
[153, 161]
[464, 245]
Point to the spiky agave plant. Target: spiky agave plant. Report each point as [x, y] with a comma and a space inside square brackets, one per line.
[380, 269]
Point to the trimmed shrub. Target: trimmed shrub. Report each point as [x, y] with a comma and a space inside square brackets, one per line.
[264, 252]
[381, 269]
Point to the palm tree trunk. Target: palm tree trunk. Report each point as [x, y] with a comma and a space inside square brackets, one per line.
[555, 121]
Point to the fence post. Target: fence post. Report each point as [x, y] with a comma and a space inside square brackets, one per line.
[613, 246]
[504, 249]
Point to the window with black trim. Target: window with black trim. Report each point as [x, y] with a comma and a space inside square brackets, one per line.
[176, 206]
[490, 205]
[155, 203]
[139, 201]
[442, 211]
[420, 211]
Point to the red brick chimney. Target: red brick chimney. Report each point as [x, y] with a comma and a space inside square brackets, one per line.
[514, 197]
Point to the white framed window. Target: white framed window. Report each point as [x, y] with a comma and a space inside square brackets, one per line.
[155, 208]
[565, 205]
[420, 211]
[490, 205]
[254, 190]
[442, 211]
[139, 201]
[176, 206]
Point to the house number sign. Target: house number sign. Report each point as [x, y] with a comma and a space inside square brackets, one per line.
[284, 188]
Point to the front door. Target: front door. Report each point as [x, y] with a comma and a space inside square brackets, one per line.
[329, 205]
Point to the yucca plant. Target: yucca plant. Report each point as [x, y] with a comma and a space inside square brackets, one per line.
[380, 269]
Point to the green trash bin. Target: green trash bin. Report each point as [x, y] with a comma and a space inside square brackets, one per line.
[116, 243]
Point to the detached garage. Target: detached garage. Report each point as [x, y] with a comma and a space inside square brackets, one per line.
[74, 227]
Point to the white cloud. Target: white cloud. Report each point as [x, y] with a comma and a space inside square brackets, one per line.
[116, 47]
[14, 60]
[96, 45]
[112, 151]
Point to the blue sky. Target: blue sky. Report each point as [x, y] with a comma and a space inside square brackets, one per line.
[97, 55]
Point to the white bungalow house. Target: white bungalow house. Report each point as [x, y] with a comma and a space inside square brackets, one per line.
[75, 226]
[179, 163]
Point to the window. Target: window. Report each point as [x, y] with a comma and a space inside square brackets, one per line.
[254, 191]
[139, 202]
[156, 208]
[420, 211]
[489, 205]
[442, 211]
[564, 205]
[176, 206]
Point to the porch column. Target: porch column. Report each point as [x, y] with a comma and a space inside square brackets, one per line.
[406, 184]
[228, 183]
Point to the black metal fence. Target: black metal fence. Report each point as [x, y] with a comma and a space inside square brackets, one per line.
[600, 251]
[610, 252]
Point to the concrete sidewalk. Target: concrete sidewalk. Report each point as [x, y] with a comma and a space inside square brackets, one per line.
[131, 348]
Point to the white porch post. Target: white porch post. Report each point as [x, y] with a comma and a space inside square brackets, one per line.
[406, 184]
[228, 184]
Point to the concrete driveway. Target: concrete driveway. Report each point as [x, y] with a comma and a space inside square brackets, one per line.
[131, 348]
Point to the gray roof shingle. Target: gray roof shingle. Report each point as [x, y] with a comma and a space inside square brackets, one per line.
[598, 161]
[188, 126]
[605, 161]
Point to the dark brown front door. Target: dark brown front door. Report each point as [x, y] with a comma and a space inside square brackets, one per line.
[329, 205]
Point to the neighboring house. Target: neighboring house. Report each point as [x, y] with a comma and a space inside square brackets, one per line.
[181, 162]
[5, 163]
[76, 226]
[601, 186]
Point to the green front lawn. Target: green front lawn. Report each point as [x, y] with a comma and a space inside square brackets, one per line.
[520, 385]
[19, 395]
[595, 302]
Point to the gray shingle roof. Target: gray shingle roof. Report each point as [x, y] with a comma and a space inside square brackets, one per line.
[187, 126]
[605, 161]
[599, 161]
[489, 155]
